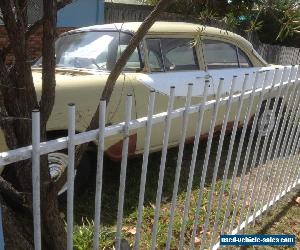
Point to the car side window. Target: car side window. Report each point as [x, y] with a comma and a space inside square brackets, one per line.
[155, 59]
[171, 54]
[219, 55]
[133, 62]
[179, 54]
[222, 55]
[244, 61]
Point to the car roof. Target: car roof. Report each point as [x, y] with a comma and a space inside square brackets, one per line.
[169, 28]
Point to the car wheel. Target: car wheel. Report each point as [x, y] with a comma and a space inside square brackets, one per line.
[58, 163]
[266, 120]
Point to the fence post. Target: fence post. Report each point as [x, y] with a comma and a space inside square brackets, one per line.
[36, 202]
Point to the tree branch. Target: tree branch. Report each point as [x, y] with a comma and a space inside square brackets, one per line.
[120, 64]
[34, 27]
[12, 28]
[48, 53]
[8, 191]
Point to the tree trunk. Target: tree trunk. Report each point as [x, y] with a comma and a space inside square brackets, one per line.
[17, 100]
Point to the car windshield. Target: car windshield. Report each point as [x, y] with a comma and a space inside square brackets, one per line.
[93, 50]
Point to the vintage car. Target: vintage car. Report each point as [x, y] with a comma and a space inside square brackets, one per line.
[167, 56]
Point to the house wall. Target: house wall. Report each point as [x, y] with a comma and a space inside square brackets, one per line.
[34, 45]
[81, 13]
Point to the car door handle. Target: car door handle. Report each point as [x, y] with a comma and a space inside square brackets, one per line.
[205, 77]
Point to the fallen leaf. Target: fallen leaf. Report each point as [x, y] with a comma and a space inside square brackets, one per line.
[197, 240]
[132, 231]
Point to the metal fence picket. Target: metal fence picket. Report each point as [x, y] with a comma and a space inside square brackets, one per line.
[282, 93]
[246, 160]
[244, 167]
[162, 167]
[253, 163]
[99, 174]
[70, 175]
[260, 177]
[227, 164]
[207, 155]
[286, 98]
[185, 119]
[192, 166]
[218, 157]
[285, 140]
[237, 160]
[36, 202]
[123, 170]
[144, 169]
[295, 130]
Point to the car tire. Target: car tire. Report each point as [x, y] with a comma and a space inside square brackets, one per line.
[58, 163]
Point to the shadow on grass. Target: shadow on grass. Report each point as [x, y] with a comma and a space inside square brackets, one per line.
[84, 201]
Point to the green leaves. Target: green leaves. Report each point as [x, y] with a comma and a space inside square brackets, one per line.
[255, 25]
[289, 21]
[275, 20]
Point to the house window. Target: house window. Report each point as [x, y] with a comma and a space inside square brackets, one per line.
[171, 54]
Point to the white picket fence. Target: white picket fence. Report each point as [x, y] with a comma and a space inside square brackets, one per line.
[269, 168]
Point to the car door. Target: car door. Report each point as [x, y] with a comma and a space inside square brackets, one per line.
[172, 61]
[226, 60]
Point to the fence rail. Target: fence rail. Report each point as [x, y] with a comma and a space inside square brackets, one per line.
[241, 178]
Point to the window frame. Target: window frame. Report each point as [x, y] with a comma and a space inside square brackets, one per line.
[159, 36]
[230, 42]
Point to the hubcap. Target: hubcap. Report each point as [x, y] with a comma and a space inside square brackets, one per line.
[266, 122]
[58, 163]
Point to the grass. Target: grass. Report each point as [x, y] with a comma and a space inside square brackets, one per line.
[84, 232]
[283, 218]
[84, 202]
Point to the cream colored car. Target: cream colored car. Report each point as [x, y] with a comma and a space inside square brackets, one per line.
[165, 57]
